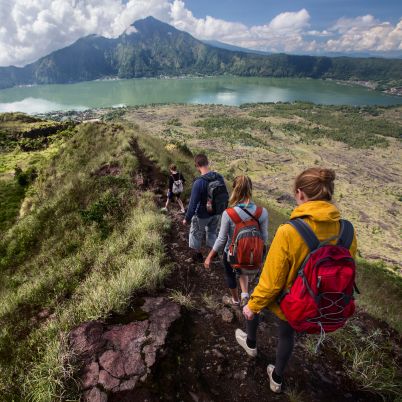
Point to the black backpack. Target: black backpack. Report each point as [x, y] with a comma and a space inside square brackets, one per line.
[218, 196]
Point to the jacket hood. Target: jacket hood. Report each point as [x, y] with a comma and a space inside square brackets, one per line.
[317, 211]
[211, 175]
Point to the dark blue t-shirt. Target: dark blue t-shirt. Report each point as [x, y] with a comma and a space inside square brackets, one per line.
[199, 196]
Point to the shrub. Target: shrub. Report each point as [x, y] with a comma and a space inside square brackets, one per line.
[25, 178]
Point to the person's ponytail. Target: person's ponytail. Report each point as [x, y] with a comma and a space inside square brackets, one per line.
[242, 190]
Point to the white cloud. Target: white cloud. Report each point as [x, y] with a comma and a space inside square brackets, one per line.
[290, 21]
[282, 33]
[319, 33]
[33, 28]
[203, 28]
[365, 33]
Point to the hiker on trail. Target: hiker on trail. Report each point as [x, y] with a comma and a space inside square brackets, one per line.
[176, 187]
[286, 284]
[244, 227]
[209, 198]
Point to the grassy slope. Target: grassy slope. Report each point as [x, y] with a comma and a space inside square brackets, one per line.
[85, 244]
[11, 196]
[27, 143]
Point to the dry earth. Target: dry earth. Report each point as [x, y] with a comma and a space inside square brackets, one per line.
[369, 181]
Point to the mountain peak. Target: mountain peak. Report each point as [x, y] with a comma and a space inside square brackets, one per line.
[151, 24]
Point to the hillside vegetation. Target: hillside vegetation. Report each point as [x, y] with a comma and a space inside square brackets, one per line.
[274, 142]
[88, 236]
[83, 236]
[158, 49]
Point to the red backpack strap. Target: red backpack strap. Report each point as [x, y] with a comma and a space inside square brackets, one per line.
[258, 212]
[234, 216]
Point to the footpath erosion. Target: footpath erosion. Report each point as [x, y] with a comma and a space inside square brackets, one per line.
[178, 344]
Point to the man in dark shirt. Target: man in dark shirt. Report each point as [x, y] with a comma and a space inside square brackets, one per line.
[202, 222]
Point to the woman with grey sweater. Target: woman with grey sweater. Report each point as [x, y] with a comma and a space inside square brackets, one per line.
[241, 201]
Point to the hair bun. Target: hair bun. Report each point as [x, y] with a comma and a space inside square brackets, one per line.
[327, 175]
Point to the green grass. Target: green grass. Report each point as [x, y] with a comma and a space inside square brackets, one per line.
[128, 261]
[11, 196]
[358, 127]
[27, 133]
[381, 293]
[235, 130]
[368, 358]
[183, 299]
[164, 153]
[84, 245]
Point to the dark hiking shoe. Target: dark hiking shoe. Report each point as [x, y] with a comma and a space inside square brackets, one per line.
[197, 257]
[275, 387]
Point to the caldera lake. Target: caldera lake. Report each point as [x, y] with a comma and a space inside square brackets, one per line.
[224, 90]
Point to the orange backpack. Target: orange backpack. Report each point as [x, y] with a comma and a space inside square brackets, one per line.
[246, 250]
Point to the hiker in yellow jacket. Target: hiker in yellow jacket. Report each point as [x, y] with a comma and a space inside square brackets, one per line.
[313, 192]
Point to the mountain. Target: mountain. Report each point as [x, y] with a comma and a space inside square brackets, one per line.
[151, 48]
[222, 45]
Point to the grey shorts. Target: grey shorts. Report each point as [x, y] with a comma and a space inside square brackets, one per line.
[203, 228]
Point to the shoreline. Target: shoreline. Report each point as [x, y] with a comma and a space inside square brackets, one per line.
[371, 85]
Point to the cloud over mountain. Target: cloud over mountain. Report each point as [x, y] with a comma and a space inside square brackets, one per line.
[31, 29]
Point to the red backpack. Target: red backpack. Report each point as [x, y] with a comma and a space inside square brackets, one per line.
[246, 250]
[321, 297]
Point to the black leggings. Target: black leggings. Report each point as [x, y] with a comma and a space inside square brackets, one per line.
[285, 343]
[230, 273]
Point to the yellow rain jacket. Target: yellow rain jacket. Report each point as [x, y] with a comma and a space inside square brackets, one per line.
[288, 251]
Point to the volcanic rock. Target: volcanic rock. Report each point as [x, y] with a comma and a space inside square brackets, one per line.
[116, 358]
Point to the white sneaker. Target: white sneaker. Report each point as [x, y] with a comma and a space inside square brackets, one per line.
[275, 387]
[229, 301]
[164, 209]
[244, 300]
[241, 338]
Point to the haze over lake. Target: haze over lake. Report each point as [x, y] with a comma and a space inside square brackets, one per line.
[220, 90]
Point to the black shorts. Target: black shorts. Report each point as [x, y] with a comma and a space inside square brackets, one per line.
[171, 195]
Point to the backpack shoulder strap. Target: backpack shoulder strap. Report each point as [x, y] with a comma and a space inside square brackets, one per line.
[208, 180]
[234, 216]
[306, 233]
[256, 216]
[346, 234]
[258, 212]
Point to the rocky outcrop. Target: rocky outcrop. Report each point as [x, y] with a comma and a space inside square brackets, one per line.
[116, 358]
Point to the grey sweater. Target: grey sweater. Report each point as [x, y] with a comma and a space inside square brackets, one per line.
[227, 227]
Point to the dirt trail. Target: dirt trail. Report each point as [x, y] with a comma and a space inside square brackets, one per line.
[203, 361]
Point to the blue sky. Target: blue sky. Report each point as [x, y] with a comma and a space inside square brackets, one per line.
[322, 12]
[30, 29]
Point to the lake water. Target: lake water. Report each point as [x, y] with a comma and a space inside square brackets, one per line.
[220, 90]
